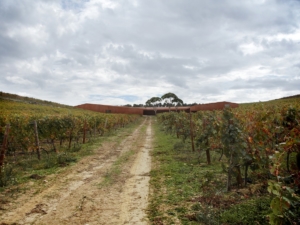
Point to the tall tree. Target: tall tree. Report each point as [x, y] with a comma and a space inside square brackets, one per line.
[153, 102]
[170, 99]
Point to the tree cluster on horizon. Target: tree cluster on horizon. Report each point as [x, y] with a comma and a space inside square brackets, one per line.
[167, 100]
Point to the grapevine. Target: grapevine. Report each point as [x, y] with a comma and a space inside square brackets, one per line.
[262, 136]
[58, 130]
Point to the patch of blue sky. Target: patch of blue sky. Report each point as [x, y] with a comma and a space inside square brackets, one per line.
[97, 97]
[129, 98]
[75, 5]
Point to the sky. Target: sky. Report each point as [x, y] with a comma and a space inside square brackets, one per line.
[127, 51]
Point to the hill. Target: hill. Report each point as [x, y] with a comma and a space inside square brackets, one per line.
[34, 101]
[293, 96]
[23, 99]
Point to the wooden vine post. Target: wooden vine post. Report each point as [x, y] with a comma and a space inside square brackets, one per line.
[37, 143]
[84, 132]
[192, 133]
[208, 156]
[4, 146]
[70, 138]
[105, 123]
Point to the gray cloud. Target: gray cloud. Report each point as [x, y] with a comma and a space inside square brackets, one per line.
[99, 51]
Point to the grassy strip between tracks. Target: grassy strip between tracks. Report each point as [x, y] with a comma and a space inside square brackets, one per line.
[185, 191]
[113, 174]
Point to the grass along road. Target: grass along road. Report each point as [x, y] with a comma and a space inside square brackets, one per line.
[185, 190]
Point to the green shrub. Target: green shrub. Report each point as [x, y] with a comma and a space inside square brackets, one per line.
[64, 158]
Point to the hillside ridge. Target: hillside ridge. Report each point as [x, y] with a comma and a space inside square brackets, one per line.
[30, 100]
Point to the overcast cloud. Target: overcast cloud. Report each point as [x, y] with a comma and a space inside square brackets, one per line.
[126, 51]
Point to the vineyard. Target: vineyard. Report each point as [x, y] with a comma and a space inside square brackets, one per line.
[257, 149]
[232, 166]
[35, 136]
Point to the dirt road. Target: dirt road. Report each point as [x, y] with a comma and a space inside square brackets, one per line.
[80, 195]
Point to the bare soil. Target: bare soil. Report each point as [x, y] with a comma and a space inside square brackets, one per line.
[76, 194]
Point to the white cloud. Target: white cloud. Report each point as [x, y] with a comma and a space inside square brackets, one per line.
[251, 48]
[258, 71]
[18, 80]
[36, 34]
[293, 36]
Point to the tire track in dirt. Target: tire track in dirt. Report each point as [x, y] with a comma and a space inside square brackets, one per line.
[74, 196]
[135, 196]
